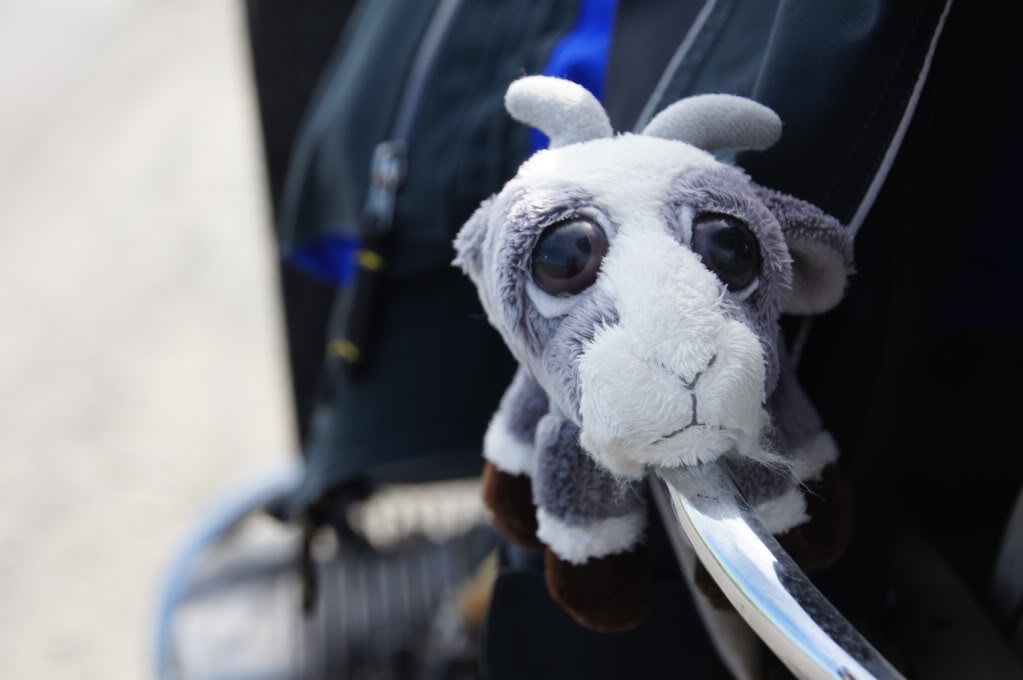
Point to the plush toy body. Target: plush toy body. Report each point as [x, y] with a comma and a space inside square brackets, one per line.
[639, 282]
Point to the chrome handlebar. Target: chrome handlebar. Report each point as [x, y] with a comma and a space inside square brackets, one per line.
[703, 507]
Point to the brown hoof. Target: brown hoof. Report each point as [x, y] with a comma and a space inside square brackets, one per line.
[510, 499]
[606, 594]
[819, 543]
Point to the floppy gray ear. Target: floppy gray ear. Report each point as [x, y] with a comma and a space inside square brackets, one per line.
[469, 240]
[821, 250]
[564, 111]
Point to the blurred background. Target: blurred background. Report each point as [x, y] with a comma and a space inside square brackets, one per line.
[142, 363]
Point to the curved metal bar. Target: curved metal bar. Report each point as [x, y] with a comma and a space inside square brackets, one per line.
[777, 600]
[227, 513]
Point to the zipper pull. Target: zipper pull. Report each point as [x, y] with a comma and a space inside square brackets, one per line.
[387, 170]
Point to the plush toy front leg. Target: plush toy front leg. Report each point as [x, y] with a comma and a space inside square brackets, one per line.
[596, 565]
[510, 501]
[508, 449]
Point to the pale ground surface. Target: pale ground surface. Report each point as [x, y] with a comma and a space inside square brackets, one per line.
[141, 364]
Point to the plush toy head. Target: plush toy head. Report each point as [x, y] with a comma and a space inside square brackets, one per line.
[639, 280]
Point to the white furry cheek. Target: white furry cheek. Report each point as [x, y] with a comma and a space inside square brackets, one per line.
[625, 402]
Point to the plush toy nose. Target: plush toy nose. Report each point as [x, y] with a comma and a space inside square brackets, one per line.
[679, 379]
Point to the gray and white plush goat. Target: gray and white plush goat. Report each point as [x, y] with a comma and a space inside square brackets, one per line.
[639, 282]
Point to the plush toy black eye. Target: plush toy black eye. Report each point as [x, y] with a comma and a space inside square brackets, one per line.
[728, 248]
[567, 256]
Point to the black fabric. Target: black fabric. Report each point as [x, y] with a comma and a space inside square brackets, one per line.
[918, 424]
[462, 147]
[536, 639]
[896, 379]
[436, 371]
[353, 111]
[529, 636]
[291, 41]
[725, 54]
[840, 79]
[647, 34]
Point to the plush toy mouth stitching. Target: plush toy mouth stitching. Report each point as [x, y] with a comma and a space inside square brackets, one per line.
[688, 384]
[691, 424]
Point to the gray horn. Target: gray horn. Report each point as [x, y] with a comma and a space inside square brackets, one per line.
[715, 122]
[562, 110]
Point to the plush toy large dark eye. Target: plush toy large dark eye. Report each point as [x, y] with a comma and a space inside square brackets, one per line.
[728, 248]
[567, 256]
